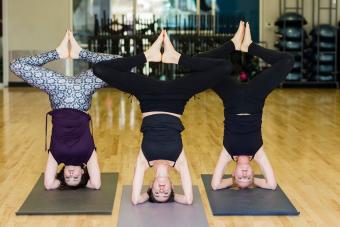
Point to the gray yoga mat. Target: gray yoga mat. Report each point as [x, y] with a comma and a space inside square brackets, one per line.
[165, 215]
[81, 201]
[255, 201]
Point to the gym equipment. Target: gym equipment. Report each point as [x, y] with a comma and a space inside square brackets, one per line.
[324, 57]
[324, 31]
[294, 76]
[254, 201]
[325, 77]
[243, 76]
[297, 65]
[292, 33]
[323, 46]
[289, 45]
[80, 201]
[324, 49]
[291, 19]
[324, 69]
[293, 40]
[321, 49]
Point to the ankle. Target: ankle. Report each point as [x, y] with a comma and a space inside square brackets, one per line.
[245, 46]
[237, 45]
[147, 55]
[176, 56]
[77, 52]
[61, 52]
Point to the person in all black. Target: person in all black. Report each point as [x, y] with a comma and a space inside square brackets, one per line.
[162, 104]
[243, 106]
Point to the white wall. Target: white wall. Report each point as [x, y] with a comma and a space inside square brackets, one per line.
[37, 25]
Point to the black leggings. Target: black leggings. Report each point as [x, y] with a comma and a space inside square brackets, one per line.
[265, 81]
[162, 132]
[242, 134]
[205, 73]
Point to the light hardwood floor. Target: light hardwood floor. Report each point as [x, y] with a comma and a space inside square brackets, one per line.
[301, 130]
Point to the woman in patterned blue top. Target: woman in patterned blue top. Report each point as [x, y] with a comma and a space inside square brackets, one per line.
[71, 140]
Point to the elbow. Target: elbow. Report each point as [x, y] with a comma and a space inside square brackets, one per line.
[97, 185]
[214, 186]
[215, 183]
[134, 200]
[190, 200]
[48, 185]
[272, 186]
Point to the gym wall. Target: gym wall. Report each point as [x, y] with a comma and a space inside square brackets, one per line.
[41, 22]
[269, 11]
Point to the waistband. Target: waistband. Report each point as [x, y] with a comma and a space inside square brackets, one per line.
[243, 123]
[162, 121]
[68, 113]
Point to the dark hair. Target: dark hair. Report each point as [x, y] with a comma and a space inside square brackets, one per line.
[152, 199]
[82, 184]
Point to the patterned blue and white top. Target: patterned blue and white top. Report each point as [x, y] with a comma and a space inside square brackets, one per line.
[64, 91]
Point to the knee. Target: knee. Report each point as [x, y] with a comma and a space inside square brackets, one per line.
[97, 69]
[289, 60]
[214, 185]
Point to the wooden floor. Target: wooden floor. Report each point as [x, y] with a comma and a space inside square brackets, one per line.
[301, 135]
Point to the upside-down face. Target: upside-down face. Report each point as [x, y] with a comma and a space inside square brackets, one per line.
[243, 175]
[72, 175]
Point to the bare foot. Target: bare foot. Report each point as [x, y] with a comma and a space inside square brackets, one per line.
[74, 46]
[247, 39]
[170, 55]
[153, 54]
[62, 49]
[238, 37]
